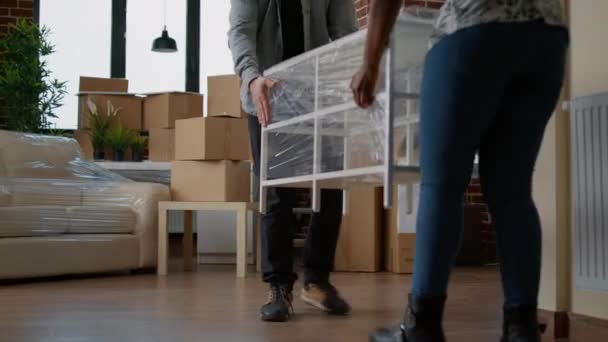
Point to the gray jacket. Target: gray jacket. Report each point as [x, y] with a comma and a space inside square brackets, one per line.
[256, 41]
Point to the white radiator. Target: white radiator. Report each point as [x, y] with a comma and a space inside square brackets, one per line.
[589, 143]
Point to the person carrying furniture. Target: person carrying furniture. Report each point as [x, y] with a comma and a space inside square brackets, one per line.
[491, 82]
[263, 33]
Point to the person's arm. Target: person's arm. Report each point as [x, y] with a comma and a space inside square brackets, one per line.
[242, 40]
[341, 18]
[382, 17]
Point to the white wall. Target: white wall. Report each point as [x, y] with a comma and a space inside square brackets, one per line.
[551, 193]
[217, 236]
[552, 196]
[589, 29]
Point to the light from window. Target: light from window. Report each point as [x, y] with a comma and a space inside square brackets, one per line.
[80, 31]
[149, 71]
[216, 58]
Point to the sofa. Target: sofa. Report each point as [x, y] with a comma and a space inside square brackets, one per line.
[61, 214]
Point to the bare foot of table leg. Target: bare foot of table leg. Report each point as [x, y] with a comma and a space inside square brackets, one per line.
[188, 244]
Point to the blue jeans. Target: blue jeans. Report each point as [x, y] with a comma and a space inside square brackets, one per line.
[489, 89]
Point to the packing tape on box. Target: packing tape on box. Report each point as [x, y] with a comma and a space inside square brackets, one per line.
[228, 142]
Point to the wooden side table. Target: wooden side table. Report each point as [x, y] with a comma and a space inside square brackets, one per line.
[240, 208]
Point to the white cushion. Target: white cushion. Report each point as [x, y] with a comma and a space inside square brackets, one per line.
[33, 221]
[36, 156]
[45, 192]
[101, 220]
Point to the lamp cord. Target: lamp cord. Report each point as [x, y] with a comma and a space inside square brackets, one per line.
[165, 22]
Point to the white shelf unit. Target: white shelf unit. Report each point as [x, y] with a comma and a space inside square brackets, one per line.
[320, 139]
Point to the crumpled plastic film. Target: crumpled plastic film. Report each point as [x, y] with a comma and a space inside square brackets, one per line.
[147, 176]
[317, 83]
[25, 155]
[48, 189]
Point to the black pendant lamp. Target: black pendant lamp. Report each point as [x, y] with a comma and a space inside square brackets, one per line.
[164, 43]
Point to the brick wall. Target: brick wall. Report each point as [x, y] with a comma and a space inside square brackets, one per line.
[362, 7]
[10, 10]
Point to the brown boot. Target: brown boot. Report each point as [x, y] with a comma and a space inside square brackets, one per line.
[325, 297]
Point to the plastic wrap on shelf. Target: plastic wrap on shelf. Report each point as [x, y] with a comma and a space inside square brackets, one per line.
[47, 189]
[318, 129]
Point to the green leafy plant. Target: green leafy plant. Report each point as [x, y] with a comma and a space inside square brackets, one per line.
[138, 144]
[54, 132]
[120, 138]
[29, 95]
[100, 125]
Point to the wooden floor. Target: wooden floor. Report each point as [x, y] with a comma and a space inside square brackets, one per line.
[211, 305]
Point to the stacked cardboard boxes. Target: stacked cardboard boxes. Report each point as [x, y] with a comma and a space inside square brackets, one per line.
[161, 112]
[211, 153]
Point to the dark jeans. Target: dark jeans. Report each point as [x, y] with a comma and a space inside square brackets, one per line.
[278, 226]
[489, 89]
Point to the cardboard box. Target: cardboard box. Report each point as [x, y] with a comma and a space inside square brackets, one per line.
[224, 96]
[83, 138]
[364, 159]
[161, 110]
[129, 115]
[210, 181]
[402, 251]
[112, 85]
[360, 245]
[399, 231]
[161, 144]
[211, 139]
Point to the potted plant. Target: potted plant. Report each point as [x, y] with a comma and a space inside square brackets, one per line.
[29, 93]
[55, 132]
[100, 126]
[138, 146]
[119, 139]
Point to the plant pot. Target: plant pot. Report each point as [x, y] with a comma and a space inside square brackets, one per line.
[99, 154]
[137, 157]
[119, 155]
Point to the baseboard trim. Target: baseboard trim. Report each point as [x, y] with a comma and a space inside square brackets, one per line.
[222, 259]
[585, 328]
[557, 322]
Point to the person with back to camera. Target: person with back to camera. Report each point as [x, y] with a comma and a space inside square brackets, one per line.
[491, 81]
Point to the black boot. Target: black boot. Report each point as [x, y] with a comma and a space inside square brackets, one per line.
[279, 307]
[520, 324]
[422, 323]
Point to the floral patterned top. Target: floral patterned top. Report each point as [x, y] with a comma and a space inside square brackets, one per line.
[459, 14]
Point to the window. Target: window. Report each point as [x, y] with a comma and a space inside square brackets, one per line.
[80, 31]
[149, 71]
[216, 58]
